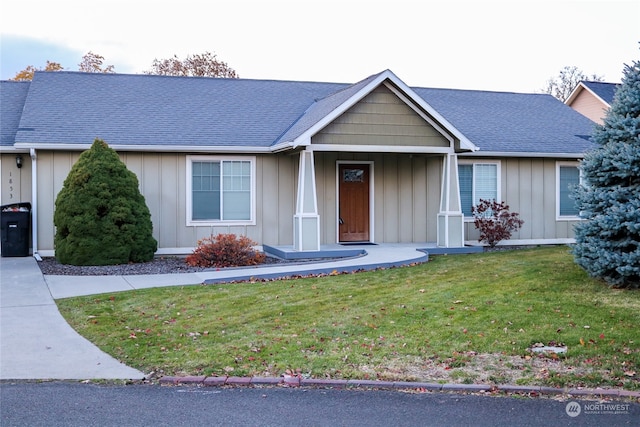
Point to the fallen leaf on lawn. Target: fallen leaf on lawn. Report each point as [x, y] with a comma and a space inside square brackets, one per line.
[629, 373]
[581, 341]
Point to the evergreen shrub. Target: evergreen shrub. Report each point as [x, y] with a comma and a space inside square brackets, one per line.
[101, 217]
[608, 241]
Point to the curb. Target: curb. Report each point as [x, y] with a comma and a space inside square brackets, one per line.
[289, 381]
[326, 271]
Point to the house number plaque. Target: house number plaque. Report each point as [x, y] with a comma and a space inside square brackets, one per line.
[10, 185]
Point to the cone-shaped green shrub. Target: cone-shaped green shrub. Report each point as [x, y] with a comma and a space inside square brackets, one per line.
[101, 217]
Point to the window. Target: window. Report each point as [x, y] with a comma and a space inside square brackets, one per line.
[220, 190]
[568, 176]
[477, 181]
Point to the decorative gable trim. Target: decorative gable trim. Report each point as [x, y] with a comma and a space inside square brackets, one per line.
[576, 92]
[408, 96]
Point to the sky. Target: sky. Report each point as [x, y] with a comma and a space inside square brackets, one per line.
[513, 46]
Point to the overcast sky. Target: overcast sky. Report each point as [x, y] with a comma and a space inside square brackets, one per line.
[504, 46]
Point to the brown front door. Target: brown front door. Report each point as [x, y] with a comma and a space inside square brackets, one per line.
[354, 203]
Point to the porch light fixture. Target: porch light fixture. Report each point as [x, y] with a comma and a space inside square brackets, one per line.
[19, 161]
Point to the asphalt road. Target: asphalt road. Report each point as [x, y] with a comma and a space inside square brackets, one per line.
[74, 404]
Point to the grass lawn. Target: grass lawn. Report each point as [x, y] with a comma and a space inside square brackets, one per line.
[458, 318]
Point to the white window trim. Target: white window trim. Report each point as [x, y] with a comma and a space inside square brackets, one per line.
[189, 206]
[558, 166]
[498, 164]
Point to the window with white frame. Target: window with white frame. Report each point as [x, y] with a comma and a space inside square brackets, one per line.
[220, 190]
[478, 180]
[567, 177]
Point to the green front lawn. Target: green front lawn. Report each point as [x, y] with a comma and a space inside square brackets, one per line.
[458, 318]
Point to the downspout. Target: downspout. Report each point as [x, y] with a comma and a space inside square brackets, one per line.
[34, 203]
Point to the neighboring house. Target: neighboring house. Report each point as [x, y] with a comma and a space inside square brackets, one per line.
[299, 164]
[592, 99]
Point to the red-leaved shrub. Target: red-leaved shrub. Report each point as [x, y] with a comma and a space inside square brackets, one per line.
[225, 250]
[494, 221]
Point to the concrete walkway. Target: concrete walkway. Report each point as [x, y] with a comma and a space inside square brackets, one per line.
[35, 340]
[37, 343]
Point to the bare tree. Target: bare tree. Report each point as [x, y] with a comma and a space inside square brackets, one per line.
[199, 65]
[92, 63]
[566, 81]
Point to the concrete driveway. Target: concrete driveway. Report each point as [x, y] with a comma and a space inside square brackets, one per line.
[35, 340]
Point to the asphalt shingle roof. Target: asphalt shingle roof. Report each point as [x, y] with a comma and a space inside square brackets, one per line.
[12, 98]
[513, 122]
[606, 91]
[75, 108]
[144, 110]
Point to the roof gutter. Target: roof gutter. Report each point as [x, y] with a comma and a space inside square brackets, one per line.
[149, 148]
[283, 146]
[521, 154]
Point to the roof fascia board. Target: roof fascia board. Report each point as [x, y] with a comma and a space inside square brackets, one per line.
[283, 146]
[574, 94]
[421, 113]
[148, 148]
[12, 149]
[381, 149]
[305, 138]
[413, 98]
[523, 154]
[465, 143]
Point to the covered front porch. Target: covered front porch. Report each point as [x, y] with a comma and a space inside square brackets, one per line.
[377, 198]
[377, 164]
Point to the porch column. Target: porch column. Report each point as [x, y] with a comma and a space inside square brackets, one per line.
[306, 221]
[450, 218]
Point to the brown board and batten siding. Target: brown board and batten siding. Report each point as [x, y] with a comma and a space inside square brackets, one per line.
[528, 186]
[162, 180]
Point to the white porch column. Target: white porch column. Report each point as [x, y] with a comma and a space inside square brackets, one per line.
[306, 221]
[450, 218]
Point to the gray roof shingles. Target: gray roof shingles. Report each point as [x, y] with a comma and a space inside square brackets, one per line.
[604, 90]
[512, 122]
[12, 98]
[75, 108]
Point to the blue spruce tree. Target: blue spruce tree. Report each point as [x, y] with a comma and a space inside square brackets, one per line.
[608, 241]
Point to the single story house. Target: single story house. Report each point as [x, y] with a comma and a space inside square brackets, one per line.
[299, 164]
[592, 99]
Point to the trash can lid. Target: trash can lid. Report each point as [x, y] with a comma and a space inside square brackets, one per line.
[16, 207]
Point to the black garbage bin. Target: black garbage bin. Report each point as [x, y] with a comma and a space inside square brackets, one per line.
[15, 225]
